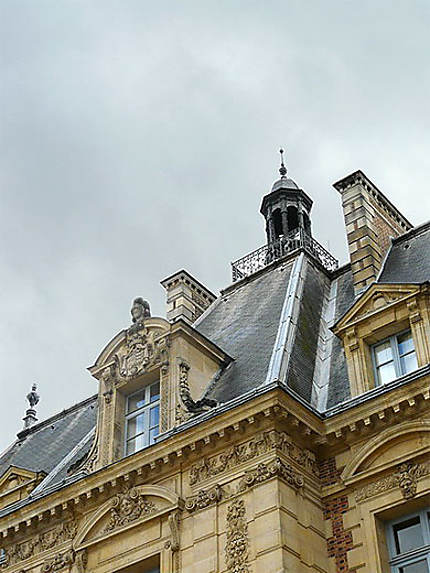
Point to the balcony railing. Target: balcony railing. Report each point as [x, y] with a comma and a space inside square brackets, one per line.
[283, 246]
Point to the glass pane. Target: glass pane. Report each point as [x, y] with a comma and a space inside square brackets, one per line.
[408, 535]
[417, 567]
[386, 373]
[152, 435]
[135, 425]
[155, 392]
[136, 444]
[383, 352]
[408, 363]
[155, 415]
[136, 401]
[405, 342]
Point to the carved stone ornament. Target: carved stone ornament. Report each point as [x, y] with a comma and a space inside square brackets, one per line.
[408, 476]
[260, 444]
[62, 561]
[128, 506]
[81, 560]
[144, 348]
[204, 498]
[107, 379]
[189, 406]
[264, 472]
[45, 540]
[237, 545]
[405, 478]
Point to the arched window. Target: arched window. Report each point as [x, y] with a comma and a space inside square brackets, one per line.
[277, 222]
[292, 218]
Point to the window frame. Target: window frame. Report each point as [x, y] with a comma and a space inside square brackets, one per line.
[409, 557]
[147, 407]
[394, 344]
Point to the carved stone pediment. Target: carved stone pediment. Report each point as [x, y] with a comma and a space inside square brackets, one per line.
[129, 507]
[387, 450]
[138, 349]
[377, 298]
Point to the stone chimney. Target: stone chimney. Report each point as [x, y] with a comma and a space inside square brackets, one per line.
[187, 299]
[371, 220]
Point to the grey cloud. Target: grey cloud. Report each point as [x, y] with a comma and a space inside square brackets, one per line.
[137, 138]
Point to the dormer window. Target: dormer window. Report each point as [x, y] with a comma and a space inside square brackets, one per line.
[394, 357]
[142, 418]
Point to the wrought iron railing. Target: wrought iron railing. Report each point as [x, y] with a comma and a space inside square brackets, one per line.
[283, 246]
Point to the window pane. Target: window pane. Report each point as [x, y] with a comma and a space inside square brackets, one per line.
[136, 401]
[408, 535]
[155, 392]
[408, 363]
[418, 567]
[383, 352]
[152, 435]
[386, 373]
[405, 342]
[155, 415]
[135, 425]
[136, 444]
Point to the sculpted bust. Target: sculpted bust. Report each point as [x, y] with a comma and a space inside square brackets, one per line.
[140, 310]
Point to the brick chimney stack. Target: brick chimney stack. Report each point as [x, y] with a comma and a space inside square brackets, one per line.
[371, 220]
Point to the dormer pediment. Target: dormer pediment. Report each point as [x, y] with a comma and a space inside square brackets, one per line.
[377, 298]
[16, 483]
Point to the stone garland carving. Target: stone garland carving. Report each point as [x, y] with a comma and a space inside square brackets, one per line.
[46, 540]
[189, 406]
[107, 378]
[128, 506]
[266, 471]
[81, 559]
[237, 545]
[59, 562]
[406, 478]
[262, 443]
[204, 498]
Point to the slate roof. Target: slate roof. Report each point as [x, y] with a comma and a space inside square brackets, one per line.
[244, 322]
[408, 260]
[275, 325]
[43, 446]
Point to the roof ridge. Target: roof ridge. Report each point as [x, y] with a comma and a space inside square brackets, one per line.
[57, 416]
[414, 232]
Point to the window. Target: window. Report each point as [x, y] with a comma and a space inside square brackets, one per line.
[409, 544]
[277, 223]
[2, 556]
[142, 418]
[394, 357]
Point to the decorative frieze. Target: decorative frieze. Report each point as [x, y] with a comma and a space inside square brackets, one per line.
[128, 506]
[262, 443]
[275, 468]
[41, 542]
[204, 498]
[405, 477]
[237, 545]
[61, 561]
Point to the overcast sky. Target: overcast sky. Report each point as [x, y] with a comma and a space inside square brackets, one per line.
[138, 138]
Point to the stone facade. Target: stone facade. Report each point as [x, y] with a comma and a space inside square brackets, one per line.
[263, 483]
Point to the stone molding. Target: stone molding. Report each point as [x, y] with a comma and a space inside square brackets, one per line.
[204, 498]
[265, 471]
[237, 544]
[128, 506]
[405, 477]
[42, 542]
[240, 453]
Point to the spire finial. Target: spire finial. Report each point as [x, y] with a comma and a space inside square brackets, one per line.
[30, 414]
[282, 169]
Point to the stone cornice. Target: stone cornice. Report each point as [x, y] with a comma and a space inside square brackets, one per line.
[271, 406]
